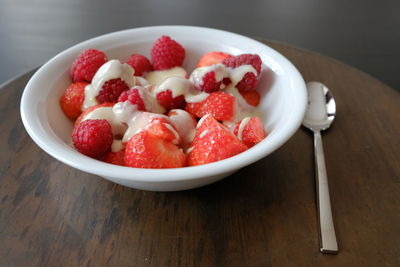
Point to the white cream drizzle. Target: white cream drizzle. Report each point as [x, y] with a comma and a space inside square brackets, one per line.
[242, 125]
[184, 124]
[158, 76]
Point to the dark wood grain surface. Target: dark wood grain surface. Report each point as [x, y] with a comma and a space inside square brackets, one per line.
[362, 33]
[264, 215]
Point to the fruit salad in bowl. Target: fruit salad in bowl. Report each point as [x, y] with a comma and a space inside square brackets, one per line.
[164, 108]
[151, 113]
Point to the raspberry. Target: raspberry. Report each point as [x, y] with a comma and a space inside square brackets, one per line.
[209, 83]
[111, 90]
[212, 58]
[133, 96]
[250, 80]
[93, 137]
[166, 53]
[248, 83]
[86, 64]
[72, 99]
[244, 59]
[167, 101]
[140, 64]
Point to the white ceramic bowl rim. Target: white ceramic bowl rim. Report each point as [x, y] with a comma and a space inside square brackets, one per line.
[56, 147]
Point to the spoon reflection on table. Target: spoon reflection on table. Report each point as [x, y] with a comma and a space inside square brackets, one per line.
[320, 114]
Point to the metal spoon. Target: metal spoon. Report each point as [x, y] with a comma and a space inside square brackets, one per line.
[319, 116]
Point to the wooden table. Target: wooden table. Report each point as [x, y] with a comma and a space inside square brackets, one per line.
[264, 215]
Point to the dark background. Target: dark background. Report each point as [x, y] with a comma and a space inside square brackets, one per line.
[361, 33]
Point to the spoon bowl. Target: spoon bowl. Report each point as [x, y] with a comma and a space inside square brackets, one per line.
[321, 108]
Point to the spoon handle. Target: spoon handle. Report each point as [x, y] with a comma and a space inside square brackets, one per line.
[328, 243]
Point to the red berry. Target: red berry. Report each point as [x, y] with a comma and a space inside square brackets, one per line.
[220, 105]
[209, 83]
[244, 59]
[90, 109]
[162, 128]
[251, 97]
[116, 158]
[252, 132]
[86, 65]
[166, 53]
[133, 96]
[140, 64]
[250, 80]
[212, 58]
[169, 102]
[111, 90]
[93, 137]
[248, 83]
[145, 150]
[72, 99]
[213, 142]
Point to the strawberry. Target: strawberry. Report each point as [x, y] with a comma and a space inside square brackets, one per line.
[220, 105]
[86, 65]
[116, 158]
[213, 142]
[252, 97]
[72, 99]
[90, 109]
[92, 137]
[212, 58]
[249, 80]
[111, 90]
[140, 64]
[167, 53]
[145, 150]
[252, 132]
[162, 128]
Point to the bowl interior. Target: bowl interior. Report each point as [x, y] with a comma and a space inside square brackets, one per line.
[281, 87]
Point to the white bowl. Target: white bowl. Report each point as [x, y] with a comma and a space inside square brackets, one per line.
[283, 104]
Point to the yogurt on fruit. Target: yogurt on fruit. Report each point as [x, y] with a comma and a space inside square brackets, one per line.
[185, 124]
[197, 75]
[112, 69]
[180, 86]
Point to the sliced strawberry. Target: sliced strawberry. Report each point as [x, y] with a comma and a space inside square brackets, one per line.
[72, 99]
[252, 97]
[252, 132]
[90, 109]
[116, 158]
[220, 105]
[213, 142]
[145, 150]
[162, 128]
[212, 58]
